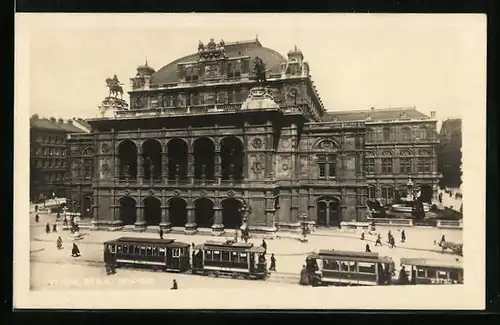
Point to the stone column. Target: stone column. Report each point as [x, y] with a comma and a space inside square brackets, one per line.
[164, 168]
[191, 167]
[218, 226]
[217, 163]
[117, 168]
[165, 218]
[268, 168]
[140, 222]
[190, 227]
[140, 167]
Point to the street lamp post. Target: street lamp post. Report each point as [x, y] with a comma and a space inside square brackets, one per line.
[303, 219]
[245, 210]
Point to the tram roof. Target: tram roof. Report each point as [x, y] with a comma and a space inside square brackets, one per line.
[428, 262]
[332, 254]
[231, 245]
[165, 241]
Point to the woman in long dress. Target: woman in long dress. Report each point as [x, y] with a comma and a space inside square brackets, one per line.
[59, 242]
[304, 276]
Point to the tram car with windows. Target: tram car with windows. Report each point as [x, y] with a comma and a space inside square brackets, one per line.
[230, 259]
[433, 271]
[348, 268]
[157, 254]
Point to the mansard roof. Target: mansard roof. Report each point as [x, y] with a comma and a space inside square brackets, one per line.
[53, 125]
[252, 48]
[375, 114]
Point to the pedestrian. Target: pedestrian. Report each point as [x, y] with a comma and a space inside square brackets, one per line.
[75, 252]
[363, 235]
[58, 215]
[403, 276]
[443, 239]
[403, 236]
[378, 241]
[47, 228]
[36, 208]
[392, 241]
[37, 217]
[174, 285]
[389, 235]
[59, 242]
[440, 197]
[161, 233]
[264, 245]
[54, 228]
[192, 245]
[367, 249]
[273, 263]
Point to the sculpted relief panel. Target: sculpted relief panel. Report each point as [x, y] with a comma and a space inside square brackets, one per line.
[283, 167]
[257, 166]
[104, 168]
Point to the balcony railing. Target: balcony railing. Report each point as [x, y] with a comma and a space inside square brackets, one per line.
[173, 111]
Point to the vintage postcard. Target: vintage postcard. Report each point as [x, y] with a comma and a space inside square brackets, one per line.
[298, 161]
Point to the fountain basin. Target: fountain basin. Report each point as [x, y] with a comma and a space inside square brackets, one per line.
[408, 208]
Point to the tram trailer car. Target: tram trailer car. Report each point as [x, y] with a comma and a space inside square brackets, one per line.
[431, 271]
[158, 254]
[348, 268]
[230, 259]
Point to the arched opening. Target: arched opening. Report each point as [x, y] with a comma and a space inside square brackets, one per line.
[232, 215]
[321, 211]
[204, 155]
[204, 213]
[87, 206]
[151, 150]
[232, 159]
[128, 212]
[177, 151]
[177, 212]
[334, 212]
[152, 211]
[426, 193]
[127, 151]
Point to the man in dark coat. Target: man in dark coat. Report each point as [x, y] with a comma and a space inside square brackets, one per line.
[403, 277]
[264, 245]
[75, 252]
[174, 285]
[37, 217]
[161, 233]
[367, 248]
[273, 263]
[403, 236]
[392, 241]
[378, 241]
[47, 228]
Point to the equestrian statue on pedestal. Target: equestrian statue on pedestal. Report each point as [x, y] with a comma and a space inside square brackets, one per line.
[115, 87]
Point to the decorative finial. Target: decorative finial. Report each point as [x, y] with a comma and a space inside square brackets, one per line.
[256, 37]
[295, 48]
[146, 64]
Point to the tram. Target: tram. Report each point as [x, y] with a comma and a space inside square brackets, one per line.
[231, 259]
[348, 268]
[431, 271]
[158, 254]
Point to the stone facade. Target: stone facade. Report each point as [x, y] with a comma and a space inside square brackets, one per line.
[205, 136]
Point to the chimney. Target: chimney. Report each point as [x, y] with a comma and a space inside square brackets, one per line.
[35, 116]
[60, 121]
[70, 122]
[372, 108]
[433, 113]
[52, 119]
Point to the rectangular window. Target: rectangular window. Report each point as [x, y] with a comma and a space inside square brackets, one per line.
[388, 193]
[125, 249]
[230, 96]
[420, 273]
[137, 250]
[372, 193]
[176, 252]
[234, 256]
[366, 267]
[431, 274]
[344, 267]
[322, 170]
[405, 165]
[149, 251]
[154, 103]
[424, 165]
[225, 256]
[243, 257]
[332, 169]
[143, 251]
[353, 266]
[155, 251]
[208, 255]
[216, 255]
[370, 166]
[386, 165]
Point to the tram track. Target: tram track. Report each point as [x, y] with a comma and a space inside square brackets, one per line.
[275, 277]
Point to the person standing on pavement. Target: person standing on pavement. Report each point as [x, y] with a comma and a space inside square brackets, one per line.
[161, 233]
[378, 241]
[59, 242]
[403, 236]
[75, 252]
[367, 248]
[174, 285]
[363, 235]
[389, 235]
[392, 242]
[54, 228]
[37, 218]
[47, 228]
[273, 263]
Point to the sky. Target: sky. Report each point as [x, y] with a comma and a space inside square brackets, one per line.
[435, 62]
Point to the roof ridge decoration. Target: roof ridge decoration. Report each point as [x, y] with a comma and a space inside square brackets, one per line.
[212, 50]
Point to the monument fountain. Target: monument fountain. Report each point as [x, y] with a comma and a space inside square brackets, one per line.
[411, 201]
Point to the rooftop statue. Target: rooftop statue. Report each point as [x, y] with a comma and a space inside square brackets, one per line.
[115, 87]
[259, 69]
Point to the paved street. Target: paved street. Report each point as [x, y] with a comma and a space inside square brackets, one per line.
[289, 252]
